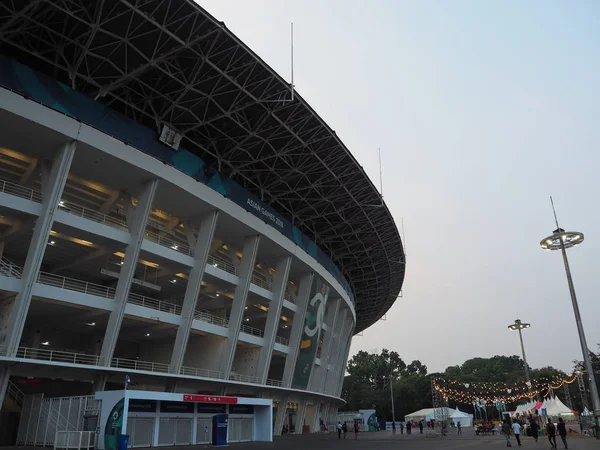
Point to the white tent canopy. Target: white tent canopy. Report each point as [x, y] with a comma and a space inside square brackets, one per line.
[454, 415]
[557, 408]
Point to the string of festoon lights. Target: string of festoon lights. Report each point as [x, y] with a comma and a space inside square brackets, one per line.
[493, 392]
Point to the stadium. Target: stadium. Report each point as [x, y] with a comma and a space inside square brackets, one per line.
[173, 221]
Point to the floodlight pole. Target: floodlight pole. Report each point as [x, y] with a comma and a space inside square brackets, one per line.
[561, 240]
[518, 325]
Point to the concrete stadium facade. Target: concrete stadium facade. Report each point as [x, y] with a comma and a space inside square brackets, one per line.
[120, 267]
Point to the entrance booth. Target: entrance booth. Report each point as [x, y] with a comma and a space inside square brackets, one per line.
[153, 419]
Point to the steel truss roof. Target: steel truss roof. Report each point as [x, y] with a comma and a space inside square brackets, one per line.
[170, 62]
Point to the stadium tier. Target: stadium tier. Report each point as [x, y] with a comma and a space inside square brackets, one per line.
[172, 220]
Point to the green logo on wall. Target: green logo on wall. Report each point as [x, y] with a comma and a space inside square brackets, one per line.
[315, 315]
[113, 426]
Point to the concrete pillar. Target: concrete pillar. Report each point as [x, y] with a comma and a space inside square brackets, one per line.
[282, 272]
[328, 343]
[57, 177]
[202, 248]
[347, 338]
[336, 351]
[4, 378]
[137, 228]
[239, 301]
[280, 416]
[300, 415]
[297, 328]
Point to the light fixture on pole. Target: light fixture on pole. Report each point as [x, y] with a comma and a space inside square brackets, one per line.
[562, 240]
[518, 325]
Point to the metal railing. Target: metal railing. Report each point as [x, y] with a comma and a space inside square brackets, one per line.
[20, 191]
[95, 216]
[168, 242]
[58, 356]
[134, 364]
[196, 372]
[15, 393]
[243, 378]
[258, 281]
[79, 440]
[152, 303]
[9, 269]
[281, 340]
[271, 382]
[287, 295]
[251, 330]
[215, 320]
[222, 264]
[72, 284]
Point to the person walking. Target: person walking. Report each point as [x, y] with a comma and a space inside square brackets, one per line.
[355, 430]
[408, 427]
[534, 427]
[344, 429]
[421, 426]
[562, 431]
[459, 427]
[339, 428]
[393, 427]
[401, 427]
[506, 432]
[517, 431]
[551, 430]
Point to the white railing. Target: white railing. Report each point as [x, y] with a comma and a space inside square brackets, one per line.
[258, 281]
[20, 191]
[271, 382]
[222, 264]
[75, 440]
[196, 372]
[153, 303]
[168, 242]
[134, 364]
[72, 284]
[15, 393]
[281, 340]
[215, 320]
[58, 356]
[251, 330]
[9, 269]
[95, 216]
[243, 378]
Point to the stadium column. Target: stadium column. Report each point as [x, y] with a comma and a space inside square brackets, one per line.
[51, 195]
[202, 248]
[282, 271]
[137, 228]
[297, 328]
[343, 359]
[300, 415]
[335, 354]
[318, 376]
[328, 345]
[239, 301]
[280, 416]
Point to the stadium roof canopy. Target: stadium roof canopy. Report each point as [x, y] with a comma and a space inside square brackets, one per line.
[168, 62]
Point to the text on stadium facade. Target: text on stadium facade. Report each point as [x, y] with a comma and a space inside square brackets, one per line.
[265, 212]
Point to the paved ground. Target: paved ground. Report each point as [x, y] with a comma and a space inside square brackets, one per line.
[387, 441]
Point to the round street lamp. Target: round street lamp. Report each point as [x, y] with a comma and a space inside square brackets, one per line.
[518, 325]
[562, 240]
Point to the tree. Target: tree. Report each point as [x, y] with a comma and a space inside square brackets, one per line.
[374, 369]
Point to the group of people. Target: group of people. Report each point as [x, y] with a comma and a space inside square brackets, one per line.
[551, 431]
[342, 429]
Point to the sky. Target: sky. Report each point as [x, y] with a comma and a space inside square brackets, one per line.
[482, 110]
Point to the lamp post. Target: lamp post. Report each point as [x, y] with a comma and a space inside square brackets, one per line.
[562, 240]
[518, 325]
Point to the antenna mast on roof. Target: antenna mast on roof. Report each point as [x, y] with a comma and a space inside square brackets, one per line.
[380, 205]
[287, 100]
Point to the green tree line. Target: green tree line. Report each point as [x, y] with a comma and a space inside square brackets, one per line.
[368, 378]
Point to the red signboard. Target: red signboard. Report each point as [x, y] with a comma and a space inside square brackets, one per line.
[209, 399]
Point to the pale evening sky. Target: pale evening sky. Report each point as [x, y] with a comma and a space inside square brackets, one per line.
[482, 110]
